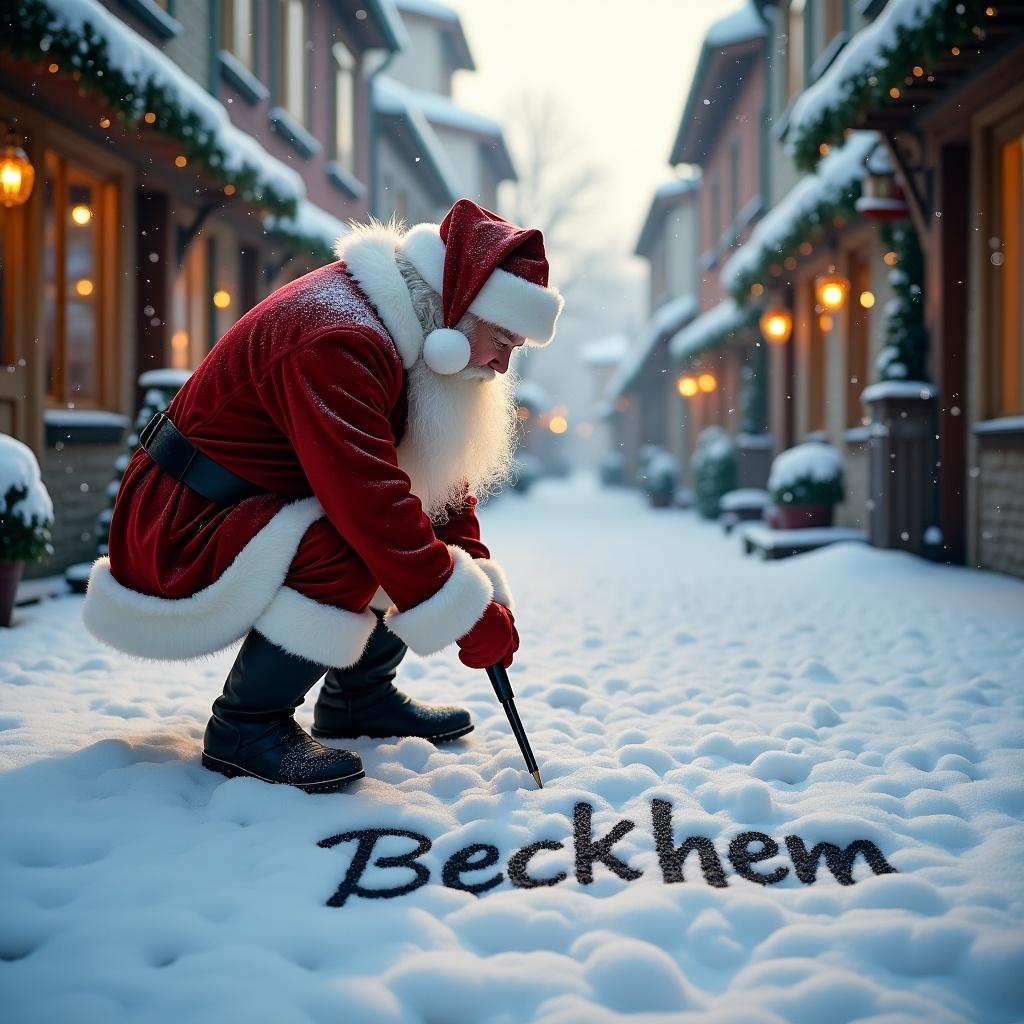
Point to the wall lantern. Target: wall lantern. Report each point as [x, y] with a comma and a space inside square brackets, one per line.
[707, 383]
[881, 196]
[222, 298]
[776, 325]
[558, 425]
[831, 290]
[17, 175]
[687, 387]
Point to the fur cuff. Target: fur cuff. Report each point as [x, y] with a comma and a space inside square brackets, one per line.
[320, 633]
[447, 615]
[496, 574]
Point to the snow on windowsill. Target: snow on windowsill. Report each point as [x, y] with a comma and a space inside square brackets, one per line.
[906, 389]
[1002, 425]
[84, 418]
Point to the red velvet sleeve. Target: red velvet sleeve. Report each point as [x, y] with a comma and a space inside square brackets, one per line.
[463, 527]
[332, 397]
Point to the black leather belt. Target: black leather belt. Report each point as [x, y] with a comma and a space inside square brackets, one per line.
[173, 452]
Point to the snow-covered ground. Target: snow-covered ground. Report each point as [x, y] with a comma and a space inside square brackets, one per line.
[849, 694]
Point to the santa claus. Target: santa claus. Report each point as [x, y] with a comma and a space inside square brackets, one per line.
[313, 489]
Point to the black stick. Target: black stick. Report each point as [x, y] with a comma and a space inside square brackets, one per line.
[503, 688]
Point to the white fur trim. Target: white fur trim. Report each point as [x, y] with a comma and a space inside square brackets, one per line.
[447, 615]
[511, 302]
[318, 632]
[369, 253]
[446, 351]
[499, 580]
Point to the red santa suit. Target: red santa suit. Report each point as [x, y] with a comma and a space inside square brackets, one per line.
[306, 397]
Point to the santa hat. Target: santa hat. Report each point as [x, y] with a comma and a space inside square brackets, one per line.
[478, 262]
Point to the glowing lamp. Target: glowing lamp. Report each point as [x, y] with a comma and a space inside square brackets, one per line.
[17, 175]
[687, 387]
[558, 425]
[776, 325]
[707, 383]
[881, 196]
[83, 287]
[81, 214]
[831, 291]
[222, 299]
[867, 299]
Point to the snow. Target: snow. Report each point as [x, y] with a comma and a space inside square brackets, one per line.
[1002, 425]
[846, 694]
[605, 351]
[743, 498]
[141, 62]
[677, 187]
[443, 110]
[809, 461]
[836, 175]
[806, 537]
[164, 378]
[665, 319]
[869, 51]
[710, 327]
[84, 418]
[532, 395]
[737, 27]
[898, 389]
[428, 8]
[310, 222]
[19, 468]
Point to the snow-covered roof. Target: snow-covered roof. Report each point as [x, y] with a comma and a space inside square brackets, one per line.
[391, 98]
[147, 69]
[708, 329]
[869, 51]
[449, 19]
[605, 351]
[311, 226]
[385, 13]
[738, 27]
[838, 174]
[442, 111]
[665, 197]
[666, 318]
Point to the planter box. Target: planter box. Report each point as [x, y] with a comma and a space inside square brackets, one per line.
[798, 517]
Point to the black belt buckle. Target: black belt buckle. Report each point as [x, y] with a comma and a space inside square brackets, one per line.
[150, 429]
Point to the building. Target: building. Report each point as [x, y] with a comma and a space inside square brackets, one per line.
[188, 159]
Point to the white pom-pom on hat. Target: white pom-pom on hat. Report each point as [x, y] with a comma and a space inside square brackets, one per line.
[446, 350]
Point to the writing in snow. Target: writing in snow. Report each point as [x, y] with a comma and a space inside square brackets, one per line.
[745, 851]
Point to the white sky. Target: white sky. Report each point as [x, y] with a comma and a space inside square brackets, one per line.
[623, 67]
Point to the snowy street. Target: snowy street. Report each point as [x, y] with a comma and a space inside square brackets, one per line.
[665, 681]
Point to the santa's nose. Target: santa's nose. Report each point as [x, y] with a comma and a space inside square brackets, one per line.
[500, 363]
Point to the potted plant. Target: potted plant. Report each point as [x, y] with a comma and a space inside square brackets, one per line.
[714, 466]
[26, 515]
[660, 478]
[806, 483]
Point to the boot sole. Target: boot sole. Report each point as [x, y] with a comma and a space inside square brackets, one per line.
[233, 771]
[443, 737]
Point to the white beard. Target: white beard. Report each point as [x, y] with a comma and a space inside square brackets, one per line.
[461, 430]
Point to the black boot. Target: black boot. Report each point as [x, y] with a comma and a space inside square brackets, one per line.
[253, 731]
[362, 700]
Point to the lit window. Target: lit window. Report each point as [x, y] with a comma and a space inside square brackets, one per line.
[293, 60]
[796, 49]
[344, 107]
[237, 34]
[190, 309]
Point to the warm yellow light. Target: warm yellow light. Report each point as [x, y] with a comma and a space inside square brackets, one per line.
[825, 322]
[894, 93]
[53, 69]
[776, 325]
[83, 286]
[180, 161]
[707, 383]
[179, 340]
[867, 299]
[806, 248]
[757, 289]
[955, 51]
[229, 190]
[890, 259]
[150, 117]
[824, 148]
[16, 174]
[523, 413]
[789, 262]
[81, 214]
[104, 122]
[558, 425]
[222, 299]
[831, 291]
[687, 387]
[918, 71]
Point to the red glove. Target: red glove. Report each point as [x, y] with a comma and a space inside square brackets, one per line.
[492, 639]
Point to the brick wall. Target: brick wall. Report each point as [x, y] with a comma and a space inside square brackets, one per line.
[1001, 508]
[77, 477]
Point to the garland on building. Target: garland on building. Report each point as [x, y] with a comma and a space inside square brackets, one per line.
[754, 391]
[905, 354]
[138, 97]
[885, 70]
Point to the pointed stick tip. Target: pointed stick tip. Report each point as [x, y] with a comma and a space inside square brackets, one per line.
[537, 779]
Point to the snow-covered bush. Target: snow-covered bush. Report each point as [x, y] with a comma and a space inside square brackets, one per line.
[715, 469]
[661, 474]
[527, 470]
[808, 474]
[26, 512]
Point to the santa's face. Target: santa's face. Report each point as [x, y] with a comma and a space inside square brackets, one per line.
[490, 350]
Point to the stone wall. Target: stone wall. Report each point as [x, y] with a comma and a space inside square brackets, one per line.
[1001, 506]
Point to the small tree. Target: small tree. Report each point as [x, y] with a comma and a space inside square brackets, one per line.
[715, 470]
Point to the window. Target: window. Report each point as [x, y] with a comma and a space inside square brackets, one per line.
[1005, 270]
[344, 106]
[293, 61]
[858, 334]
[715, 213]
[835, 19]
[796, 48]
[237, 31]
[734, 180]
[77, 266]
[190, 309]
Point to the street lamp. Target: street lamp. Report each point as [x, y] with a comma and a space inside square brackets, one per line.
[831, 291]
[707, 383]
[17, 175]
[687, 387]
[776, 325]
